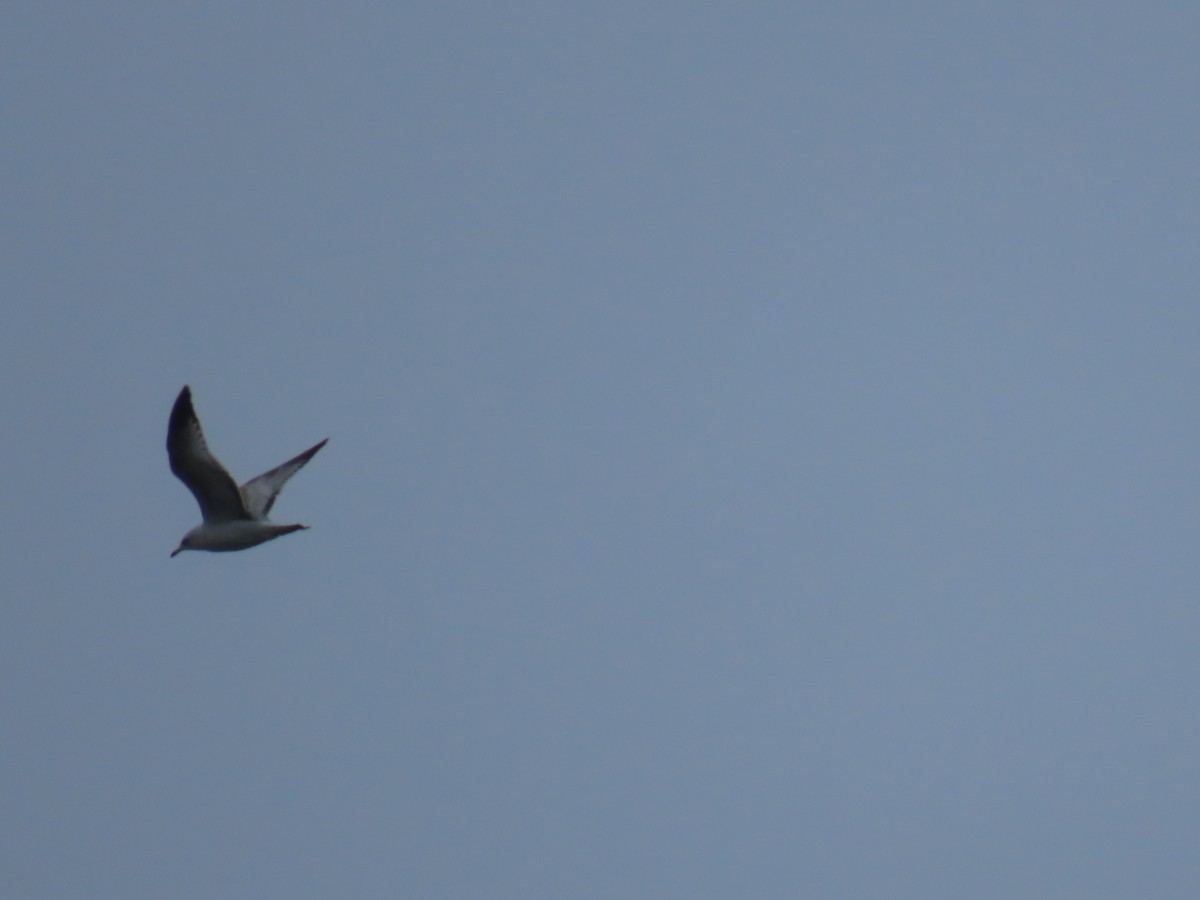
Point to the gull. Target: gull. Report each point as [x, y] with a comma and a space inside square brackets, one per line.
[234, 518]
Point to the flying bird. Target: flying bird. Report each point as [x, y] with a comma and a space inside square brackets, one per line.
[234, 518]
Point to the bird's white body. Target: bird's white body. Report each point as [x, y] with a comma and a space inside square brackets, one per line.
[236, 535]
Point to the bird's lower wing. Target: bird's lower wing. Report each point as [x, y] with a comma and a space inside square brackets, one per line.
[258, 494]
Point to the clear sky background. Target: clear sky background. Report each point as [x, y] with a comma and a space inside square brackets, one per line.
[763, 450]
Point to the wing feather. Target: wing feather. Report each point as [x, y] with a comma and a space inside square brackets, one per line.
[259, 493]
[194, 465]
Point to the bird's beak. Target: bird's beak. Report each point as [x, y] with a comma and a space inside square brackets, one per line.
[176, 552]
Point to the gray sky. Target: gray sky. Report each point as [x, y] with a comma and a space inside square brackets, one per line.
[762, 462]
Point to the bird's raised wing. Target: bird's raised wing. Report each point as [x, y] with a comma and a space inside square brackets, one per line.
[212, 486]
[258, 494]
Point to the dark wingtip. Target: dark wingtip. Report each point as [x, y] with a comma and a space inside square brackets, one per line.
[185, 398]
[309, 453]
[182, 411]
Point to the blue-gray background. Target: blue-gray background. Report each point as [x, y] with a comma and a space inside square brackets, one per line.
[763, 454]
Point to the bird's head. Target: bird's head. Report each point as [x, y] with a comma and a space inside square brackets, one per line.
[187, 543]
